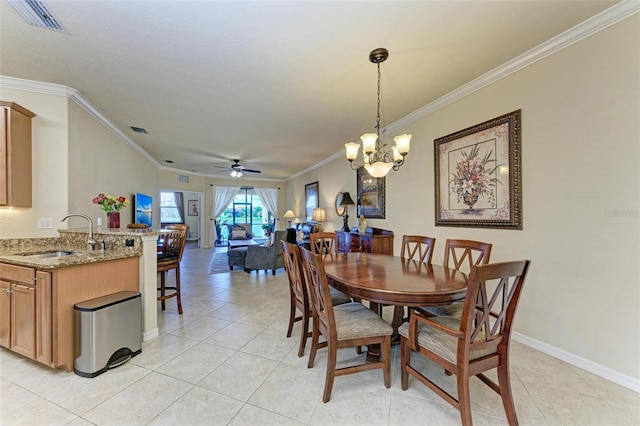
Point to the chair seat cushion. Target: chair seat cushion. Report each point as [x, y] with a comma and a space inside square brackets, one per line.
[338, 297]
[354, 320]
[453, 310]
[167, 257]
[439, 342]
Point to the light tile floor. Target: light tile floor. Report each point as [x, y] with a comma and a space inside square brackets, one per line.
[227, 361]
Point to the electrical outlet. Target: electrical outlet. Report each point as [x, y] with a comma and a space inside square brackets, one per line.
[45, 223]
[129, 242]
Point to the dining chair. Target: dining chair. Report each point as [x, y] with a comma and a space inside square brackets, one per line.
[417, 244]
[300, 296]
[325, 243]
[476, 342]
[346, 325]
[418, 248]
[169, 258]
[461, 255]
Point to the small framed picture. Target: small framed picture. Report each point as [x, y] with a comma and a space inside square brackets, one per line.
[310, 198]
[193, 208]
[371, 202]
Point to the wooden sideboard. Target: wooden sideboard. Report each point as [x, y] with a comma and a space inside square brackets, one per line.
[375, 240]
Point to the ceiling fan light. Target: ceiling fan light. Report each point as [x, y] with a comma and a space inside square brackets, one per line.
[378, 169]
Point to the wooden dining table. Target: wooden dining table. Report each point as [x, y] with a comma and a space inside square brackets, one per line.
[392, 280]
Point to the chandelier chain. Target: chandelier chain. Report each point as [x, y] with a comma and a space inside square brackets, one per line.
[378, 115]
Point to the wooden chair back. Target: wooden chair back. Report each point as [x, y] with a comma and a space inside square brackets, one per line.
[174, 242]
[417, 244]
[465, 254]
[324, 243]
[319, 293]
[295, 273]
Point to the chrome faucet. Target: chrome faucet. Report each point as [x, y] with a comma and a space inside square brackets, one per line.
[91, 243]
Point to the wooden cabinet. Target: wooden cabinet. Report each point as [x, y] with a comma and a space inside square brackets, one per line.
[36, 307]
[15, 155]
[375, 240]
[25, 324]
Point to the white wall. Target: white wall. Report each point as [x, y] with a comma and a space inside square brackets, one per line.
[581, 161]
[101, 162]
[75, 157]
[50, 166]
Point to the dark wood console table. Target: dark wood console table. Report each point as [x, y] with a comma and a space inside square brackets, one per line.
[375, 240]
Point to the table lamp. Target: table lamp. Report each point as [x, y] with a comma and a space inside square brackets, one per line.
[346, 202]
[319, 215]
[289, 215]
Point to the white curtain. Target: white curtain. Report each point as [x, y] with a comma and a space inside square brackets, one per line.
[222, 197]
[269, 198]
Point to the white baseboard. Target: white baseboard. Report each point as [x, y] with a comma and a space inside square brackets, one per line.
[148, 335]
[590, 366]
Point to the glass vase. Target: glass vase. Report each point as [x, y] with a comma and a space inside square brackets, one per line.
[113, 220]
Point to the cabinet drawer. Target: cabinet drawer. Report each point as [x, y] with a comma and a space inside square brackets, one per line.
[17, 273]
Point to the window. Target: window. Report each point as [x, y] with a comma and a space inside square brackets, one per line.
[246, 207]
[169, 212]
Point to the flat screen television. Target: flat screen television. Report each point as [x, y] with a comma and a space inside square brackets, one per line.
[143, 209]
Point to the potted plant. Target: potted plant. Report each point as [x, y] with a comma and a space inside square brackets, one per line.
[268, 229]
[219, 223]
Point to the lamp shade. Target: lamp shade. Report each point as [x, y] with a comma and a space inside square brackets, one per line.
[319, 215]
[346, 200]
[289, 214]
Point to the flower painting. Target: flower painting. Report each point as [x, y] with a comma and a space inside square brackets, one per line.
[478, 175]
[474, 174]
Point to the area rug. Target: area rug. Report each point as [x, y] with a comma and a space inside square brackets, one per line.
[220, 263]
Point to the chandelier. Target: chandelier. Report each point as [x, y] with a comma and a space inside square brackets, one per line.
[378, 159]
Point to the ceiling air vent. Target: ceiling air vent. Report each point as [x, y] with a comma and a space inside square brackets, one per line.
[139, 130]
[38, 14]
[183, 178]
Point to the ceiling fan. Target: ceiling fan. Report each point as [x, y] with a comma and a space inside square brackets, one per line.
[237, 170]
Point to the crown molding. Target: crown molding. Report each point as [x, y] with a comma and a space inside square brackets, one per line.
[36, 86]
[81, 101]
[585, 29]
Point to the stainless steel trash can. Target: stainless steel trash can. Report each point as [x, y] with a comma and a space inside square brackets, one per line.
[107, 332]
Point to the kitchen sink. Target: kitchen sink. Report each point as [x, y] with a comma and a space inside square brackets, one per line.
[58, 253]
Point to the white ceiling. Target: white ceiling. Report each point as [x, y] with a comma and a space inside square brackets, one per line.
[280, 85]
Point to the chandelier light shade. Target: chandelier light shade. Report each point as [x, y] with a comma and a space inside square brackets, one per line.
[289, 215]
[378, 160]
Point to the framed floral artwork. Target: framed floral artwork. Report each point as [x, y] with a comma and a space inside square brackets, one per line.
[478, 175]
[370, 190]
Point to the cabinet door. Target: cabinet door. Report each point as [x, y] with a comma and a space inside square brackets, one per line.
[5, 313]
[366, 244]
[44, 325]
[23, 320]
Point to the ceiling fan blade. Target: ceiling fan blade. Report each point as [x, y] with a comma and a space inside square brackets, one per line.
[251, 171]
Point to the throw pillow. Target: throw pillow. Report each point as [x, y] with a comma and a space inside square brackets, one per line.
[300, 235]
[238, 234]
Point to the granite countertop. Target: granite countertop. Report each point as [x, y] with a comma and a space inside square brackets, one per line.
[80, 257]
[20, 251]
